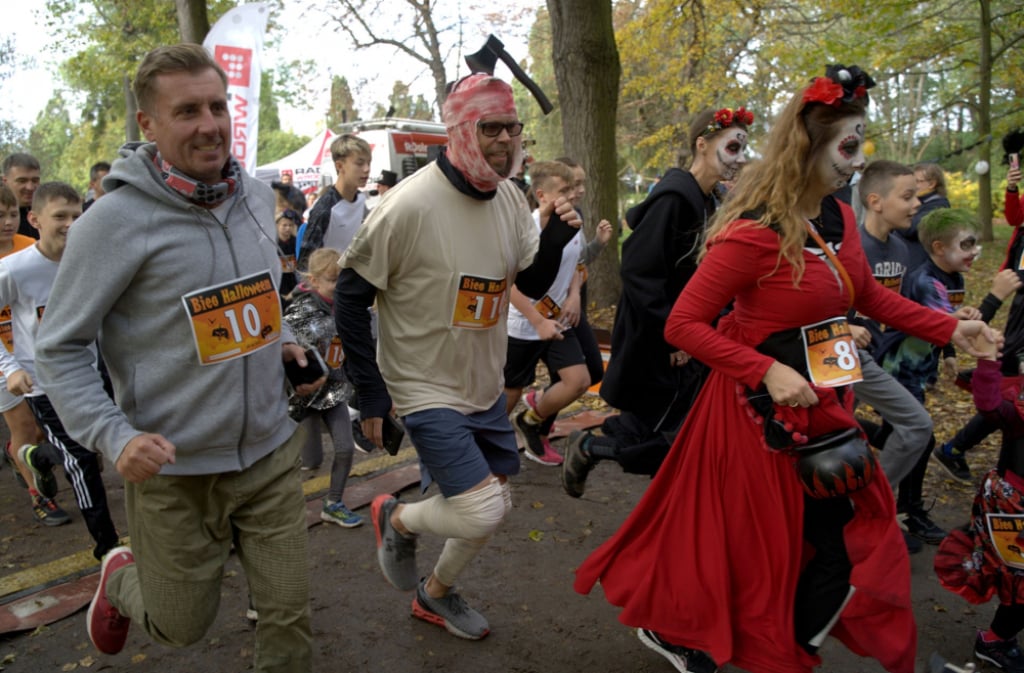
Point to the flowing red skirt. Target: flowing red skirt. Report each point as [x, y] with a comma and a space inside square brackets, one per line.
[711, 555]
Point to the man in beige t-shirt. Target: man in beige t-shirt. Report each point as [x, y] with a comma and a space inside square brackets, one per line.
[439, 256]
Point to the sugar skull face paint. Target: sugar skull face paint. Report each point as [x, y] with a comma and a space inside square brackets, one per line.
[843, 154]
[731, 152]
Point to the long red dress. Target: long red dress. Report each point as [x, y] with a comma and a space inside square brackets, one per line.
[710, 557]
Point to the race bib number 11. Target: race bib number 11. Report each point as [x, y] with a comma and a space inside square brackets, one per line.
[831, 353]
[234, 319]
[479, 302]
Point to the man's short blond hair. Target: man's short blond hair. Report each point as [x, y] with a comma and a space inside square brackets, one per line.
[184, 57]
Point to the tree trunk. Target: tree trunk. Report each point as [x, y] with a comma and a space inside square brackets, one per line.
[193, 22]
[587, 71]
[985, 120]
[131, 125]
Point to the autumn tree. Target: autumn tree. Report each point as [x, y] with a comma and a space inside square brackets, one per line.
[587, 70]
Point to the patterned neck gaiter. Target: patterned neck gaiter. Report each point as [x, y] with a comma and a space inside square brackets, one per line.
[201, 193]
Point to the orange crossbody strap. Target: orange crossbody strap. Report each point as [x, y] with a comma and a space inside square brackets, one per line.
[836, 264]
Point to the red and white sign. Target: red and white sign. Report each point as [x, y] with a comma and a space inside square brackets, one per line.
[236, 43]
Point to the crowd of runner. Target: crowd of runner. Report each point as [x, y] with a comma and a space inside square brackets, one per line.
[761, 302]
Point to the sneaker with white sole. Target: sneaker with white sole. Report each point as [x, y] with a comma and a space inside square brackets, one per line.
[336, 512]
[108, 628]
[450, 611]
[1004, 654]
[684, 659]
[538, 448]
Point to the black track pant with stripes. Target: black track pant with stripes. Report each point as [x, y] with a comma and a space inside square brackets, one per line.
[82, 468]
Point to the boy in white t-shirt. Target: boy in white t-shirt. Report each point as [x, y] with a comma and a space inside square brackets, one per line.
[25, 281]
[542, 329]
[338, 214]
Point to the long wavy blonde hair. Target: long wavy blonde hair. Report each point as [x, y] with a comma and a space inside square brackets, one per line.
[773, 186]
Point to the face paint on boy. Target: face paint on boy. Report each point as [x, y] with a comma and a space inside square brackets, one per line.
[961, 253]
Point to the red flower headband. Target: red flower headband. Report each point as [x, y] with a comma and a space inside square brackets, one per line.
[727, 117]
[839, 85]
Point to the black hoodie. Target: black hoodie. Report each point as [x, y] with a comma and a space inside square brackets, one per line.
[658, 259]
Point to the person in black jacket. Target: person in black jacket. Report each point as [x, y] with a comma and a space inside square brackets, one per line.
[649, 381]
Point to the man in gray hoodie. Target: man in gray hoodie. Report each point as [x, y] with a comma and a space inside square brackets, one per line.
[189, 320]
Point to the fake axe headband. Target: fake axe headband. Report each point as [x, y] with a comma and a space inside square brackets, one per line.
[483, 61]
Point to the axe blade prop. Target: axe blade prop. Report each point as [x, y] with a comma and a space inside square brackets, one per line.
[485, 60]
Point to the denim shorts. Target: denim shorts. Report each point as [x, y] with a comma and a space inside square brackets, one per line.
[458, 451]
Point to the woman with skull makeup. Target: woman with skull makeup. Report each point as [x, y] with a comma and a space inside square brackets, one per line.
[652, 383]
[737, 553]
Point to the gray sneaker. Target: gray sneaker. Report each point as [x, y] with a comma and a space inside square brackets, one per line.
[396, 553]
[451, 612]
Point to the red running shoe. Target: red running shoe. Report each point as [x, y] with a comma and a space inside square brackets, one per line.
[108, 628]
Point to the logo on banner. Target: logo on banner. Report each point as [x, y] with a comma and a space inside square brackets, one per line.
[236, 62]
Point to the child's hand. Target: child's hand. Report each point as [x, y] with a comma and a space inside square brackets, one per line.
[985, 349]
[1013, 178]
[861, 336]
[1005, 283]
[604, 231]
[967, 313]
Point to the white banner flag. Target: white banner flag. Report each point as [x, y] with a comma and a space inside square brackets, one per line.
[236, 43]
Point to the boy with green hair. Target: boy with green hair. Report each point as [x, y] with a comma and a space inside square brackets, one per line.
[338, 214]
[950, 239]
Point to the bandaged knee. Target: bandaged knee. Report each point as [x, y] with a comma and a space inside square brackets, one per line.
[473, 515]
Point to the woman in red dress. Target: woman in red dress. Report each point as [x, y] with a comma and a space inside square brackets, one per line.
[727, 559]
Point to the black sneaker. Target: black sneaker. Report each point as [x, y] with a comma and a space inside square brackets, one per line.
[38, 460]
[683, 659]
[953, 462]
[1004, 654]
[576, 465]
[537, 448]
[919, 524]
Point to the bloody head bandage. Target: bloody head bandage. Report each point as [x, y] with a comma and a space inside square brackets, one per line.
[474, 98]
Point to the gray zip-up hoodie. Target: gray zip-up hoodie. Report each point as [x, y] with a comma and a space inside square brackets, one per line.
[129, 261]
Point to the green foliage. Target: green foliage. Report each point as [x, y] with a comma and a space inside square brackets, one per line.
[275, 144]
[107, 39]
[343, 106]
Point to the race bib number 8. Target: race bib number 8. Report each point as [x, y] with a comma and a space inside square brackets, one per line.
[479, 302]
[831, 353]
[234, 319]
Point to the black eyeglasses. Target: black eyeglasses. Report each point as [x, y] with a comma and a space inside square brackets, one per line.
[494, 129]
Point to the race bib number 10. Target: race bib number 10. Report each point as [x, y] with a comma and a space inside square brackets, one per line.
[478, 302]
[234, 319]
[831, 353]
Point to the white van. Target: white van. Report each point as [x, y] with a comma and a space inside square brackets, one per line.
[398, 145]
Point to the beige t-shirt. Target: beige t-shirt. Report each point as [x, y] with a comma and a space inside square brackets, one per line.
[443, 264]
